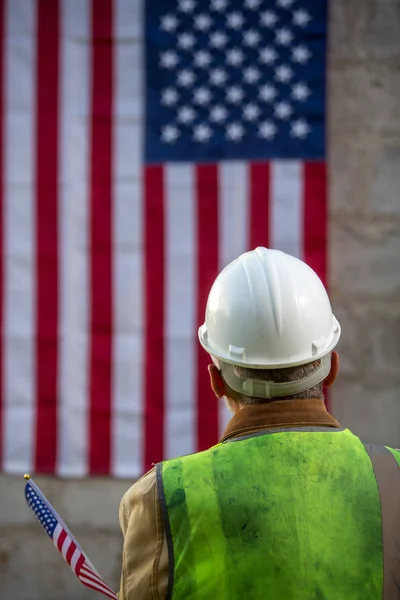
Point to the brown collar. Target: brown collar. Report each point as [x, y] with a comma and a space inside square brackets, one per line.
[279, 413]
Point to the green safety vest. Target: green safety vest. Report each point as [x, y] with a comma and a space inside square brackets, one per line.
[310, 513]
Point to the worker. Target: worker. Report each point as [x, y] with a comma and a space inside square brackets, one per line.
[288, 505]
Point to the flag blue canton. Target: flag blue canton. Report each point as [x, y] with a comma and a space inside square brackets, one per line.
[235, 79]
[41, 510]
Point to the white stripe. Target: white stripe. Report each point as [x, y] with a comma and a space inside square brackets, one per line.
[65, 547]
[57, 533]
[75, 557]
[19, 233]
[234, 208]
[128, 350]
[74, 244]
[180, 317]
[89, 575]
[98, 587]
[286, 232]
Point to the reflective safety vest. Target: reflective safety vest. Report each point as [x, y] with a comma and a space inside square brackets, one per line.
[310, 513]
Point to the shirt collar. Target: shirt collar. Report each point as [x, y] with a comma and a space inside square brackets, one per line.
[279, 413]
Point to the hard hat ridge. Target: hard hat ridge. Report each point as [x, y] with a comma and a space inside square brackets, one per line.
[268, 282]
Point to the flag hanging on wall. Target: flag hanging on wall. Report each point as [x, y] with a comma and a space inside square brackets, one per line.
[144, 146]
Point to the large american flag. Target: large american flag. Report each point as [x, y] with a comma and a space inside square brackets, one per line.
[64, 541]
[144, 146]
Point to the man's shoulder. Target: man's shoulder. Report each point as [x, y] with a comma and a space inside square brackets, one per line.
[142, 488]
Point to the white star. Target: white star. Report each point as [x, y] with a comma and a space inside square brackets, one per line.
[300, 128]
[252, 4]
[186, 77]
[202, 58]
[169, 23]
[186, 41]
[235, 20]
[301, 54]
[218, 76]
[283, 110]
[234, 57]
[170, 134]
[283, 73]
[267, 92]
[187, 5]
[251, 112]
[285, 3]
[301, 17]
[235, 94]
[268, 55]
[284, 36]
[219, 5]
[251, 74]
[202, 133]
[235, 132]
[186, 114]
[218, 113]
[251, 37]
[218, 39]
[202, 95]
[300, 91]
[267, 130]
[268, 18]
[202, 22]
[169, 59]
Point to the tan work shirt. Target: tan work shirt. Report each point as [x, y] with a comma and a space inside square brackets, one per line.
[145, 556]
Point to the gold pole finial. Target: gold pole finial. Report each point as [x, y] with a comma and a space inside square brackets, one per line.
[27, 476]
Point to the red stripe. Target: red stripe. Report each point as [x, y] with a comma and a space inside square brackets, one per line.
[2, 41]
[316, 223]
[79, 564]
[101, 238]
[94, 578]
[207, 239]
[259, 204]
[154, 354]
[92, 586]
[61, 539]
[316, 218]
[70, 552]
[47, 234]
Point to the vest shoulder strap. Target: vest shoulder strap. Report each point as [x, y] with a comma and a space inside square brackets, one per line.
[395, 452]
[385, 462]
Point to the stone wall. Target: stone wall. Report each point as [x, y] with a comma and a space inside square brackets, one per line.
[364, 133]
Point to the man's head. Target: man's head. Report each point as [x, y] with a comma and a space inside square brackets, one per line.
[269, 329]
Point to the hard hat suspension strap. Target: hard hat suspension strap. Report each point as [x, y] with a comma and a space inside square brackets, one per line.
[259, 388]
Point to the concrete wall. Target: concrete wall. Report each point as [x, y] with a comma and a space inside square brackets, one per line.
[365, 288]
[30, 567]
[364, 131]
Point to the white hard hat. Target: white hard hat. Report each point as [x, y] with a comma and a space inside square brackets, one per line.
[269, 310]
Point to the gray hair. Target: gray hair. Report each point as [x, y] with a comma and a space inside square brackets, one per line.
[279, 376]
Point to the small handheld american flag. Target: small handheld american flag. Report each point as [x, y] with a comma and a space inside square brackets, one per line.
[64, 540]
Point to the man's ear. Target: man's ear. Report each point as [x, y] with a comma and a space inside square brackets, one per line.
[216, 381]
[331, 377]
